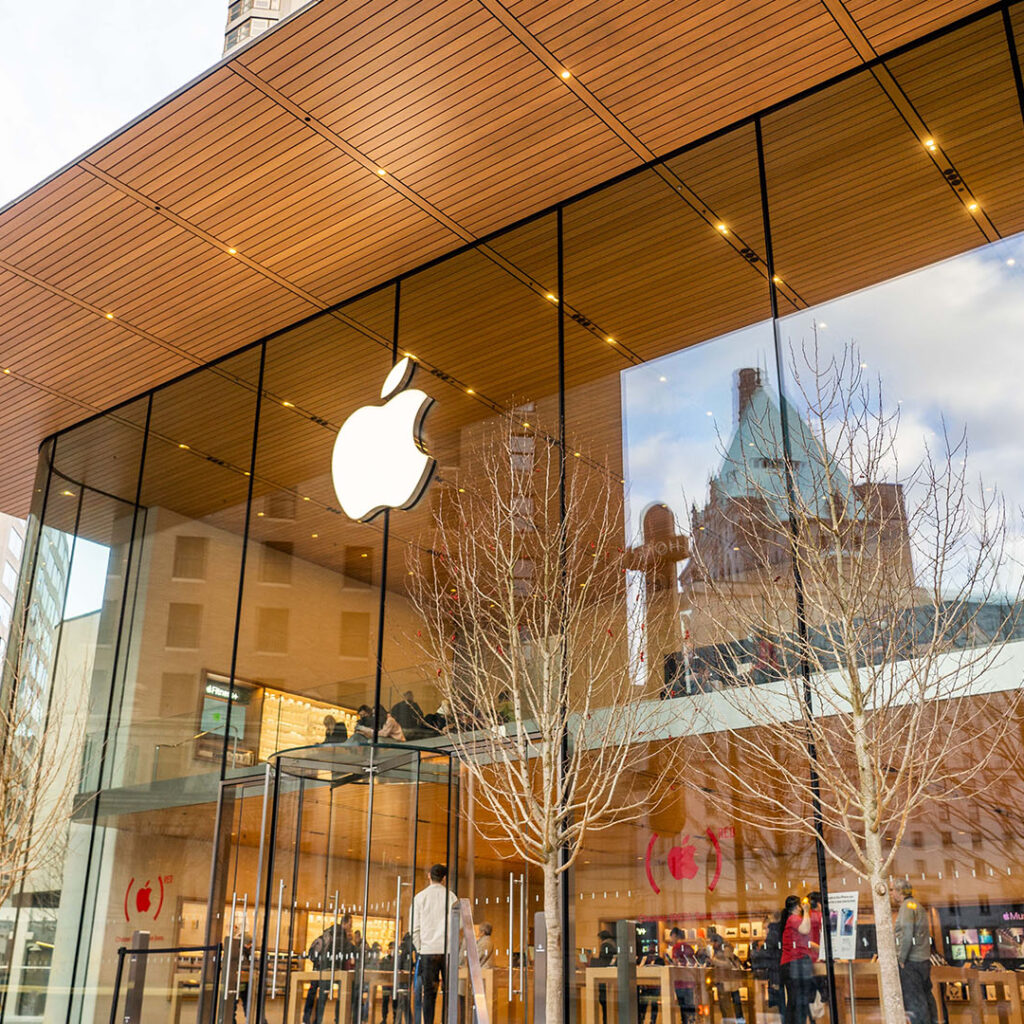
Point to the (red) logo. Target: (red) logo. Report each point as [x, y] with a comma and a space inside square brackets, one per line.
[682, 860]
[144, 898]
[681, 863]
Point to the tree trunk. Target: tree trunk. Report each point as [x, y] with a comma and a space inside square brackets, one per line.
[553, 923]
[890, 992]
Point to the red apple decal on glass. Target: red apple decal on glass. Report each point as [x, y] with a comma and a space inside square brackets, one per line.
[143, 898]
[681, 863]
[379, 460]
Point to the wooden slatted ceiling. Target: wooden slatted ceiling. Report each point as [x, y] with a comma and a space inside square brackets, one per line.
[966, 95]
[885, 22]
[274, 154]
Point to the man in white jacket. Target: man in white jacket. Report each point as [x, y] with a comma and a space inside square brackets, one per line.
[430, 908]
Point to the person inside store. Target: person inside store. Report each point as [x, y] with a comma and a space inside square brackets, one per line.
[681, 953]
[387, 992]
[236, 964]
[607, 955]
[795, 962]
[333, 946]
[819, 982]
[409, 715]
[401, 997]
[648, 997]
[363, 732]
[430, 909]
[334, 731]
[485, 944]
[914, 951]
[765, 959]
[727, 979]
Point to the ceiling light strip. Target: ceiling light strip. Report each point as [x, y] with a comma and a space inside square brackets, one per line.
[206, 236]
[913, 120]
[410, 194]
[571, 81]
[101, 313]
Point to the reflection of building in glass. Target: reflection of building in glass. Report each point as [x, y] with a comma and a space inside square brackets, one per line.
[203, 260]
[742, 536]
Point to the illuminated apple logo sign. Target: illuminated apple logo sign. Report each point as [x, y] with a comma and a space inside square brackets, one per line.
[379, 459]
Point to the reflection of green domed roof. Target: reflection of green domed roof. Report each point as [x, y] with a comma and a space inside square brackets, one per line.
[753, 465]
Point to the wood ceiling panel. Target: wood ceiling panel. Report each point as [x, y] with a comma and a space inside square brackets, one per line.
[890, 23]
[962, 85]
[475, 128]
[630, 56]
[845, 217]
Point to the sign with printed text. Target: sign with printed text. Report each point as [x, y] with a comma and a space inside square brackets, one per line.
[842, 919]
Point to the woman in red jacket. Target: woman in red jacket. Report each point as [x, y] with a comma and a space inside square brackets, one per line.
[797, 966]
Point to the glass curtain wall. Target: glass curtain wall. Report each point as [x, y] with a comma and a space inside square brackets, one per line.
[195, 581]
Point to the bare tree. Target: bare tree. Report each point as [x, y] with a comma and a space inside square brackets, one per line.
[527, 599]
[40, 738]
[875, 671]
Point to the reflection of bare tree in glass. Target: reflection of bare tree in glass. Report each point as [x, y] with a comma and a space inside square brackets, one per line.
[40, 742]
[527, 613]
[876, 680]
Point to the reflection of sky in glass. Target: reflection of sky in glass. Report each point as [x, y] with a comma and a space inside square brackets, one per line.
[88, 577]
[674, 410]
[947, 342]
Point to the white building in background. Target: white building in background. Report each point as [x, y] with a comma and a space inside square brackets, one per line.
[250, 18]
[12, 542]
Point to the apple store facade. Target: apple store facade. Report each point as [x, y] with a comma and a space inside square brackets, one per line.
[245, 594]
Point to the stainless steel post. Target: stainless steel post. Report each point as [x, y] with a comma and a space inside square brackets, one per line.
[540, 968]
[137, 957]
[398, 939]
[241, 945]
[451, 981]
[277, 939]
[625, 971]
[522, 937]
[511, 880]
[334, 941]
[231, 936]
[853, 998]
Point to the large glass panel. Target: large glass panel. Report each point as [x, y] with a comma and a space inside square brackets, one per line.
[311, 603]
[921, 172]
[482, 328]
[675, 393]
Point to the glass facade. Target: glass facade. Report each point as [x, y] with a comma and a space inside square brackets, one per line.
[231, 606]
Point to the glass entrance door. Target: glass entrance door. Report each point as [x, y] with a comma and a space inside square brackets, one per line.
[318, 866]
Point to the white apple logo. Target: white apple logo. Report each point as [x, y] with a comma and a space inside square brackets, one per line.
[379, 461]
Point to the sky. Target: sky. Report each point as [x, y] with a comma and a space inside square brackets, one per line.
[70, 75]
[73, 73]
[945, 342]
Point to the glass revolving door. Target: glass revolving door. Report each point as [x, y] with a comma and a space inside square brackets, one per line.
[348, 835]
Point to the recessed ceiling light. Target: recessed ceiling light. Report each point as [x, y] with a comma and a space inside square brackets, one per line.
[663, 379]
[722, 228]
[1010, 262]
[567, 75]
[470, 391]
[68, 494]
[381, 171]
[972, 206]
[777, 279]
[109, 316]
[232, 252]
[185, 446]
[288, 405]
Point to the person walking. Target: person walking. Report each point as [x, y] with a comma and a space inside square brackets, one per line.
[796, 966]
[914, 951]
[332, 946]
[430, 909]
